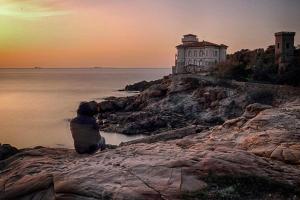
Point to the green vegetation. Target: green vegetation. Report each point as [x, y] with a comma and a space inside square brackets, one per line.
[246, 187]
[258, 66]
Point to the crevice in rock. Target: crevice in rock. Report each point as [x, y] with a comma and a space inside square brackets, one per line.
[148, 185]
[170, 176]
[180, 180]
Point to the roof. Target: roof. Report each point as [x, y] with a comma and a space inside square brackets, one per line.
[190, 35]
[285, 33]
[201, 44]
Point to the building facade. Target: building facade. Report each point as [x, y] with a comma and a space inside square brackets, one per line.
[194, 56]
[284, 49]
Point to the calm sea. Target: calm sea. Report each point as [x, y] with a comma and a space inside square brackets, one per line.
[36, 104]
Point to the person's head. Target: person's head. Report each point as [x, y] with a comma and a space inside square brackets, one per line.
[85, 109]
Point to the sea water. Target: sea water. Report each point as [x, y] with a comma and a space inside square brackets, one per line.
[37, 104]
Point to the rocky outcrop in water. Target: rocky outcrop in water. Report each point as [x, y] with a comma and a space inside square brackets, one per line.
[141, 86]
[176, 102]
[254, 156]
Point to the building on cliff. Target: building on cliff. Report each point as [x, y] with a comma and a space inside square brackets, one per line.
[194, 56]
[285, 50]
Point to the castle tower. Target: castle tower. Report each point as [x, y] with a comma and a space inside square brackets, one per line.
[284, 49]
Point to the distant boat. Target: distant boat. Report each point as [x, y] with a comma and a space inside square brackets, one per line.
[37, 68]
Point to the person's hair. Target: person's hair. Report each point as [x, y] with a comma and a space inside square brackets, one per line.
[85, 109]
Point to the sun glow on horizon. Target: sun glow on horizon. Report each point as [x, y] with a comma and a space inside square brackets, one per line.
[75, 33]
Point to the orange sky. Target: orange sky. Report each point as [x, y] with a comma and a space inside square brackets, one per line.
[132, 33]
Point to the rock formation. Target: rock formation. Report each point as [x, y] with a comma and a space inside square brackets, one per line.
[177, 102]
[253, 156]
[6, 151]
[210, 139]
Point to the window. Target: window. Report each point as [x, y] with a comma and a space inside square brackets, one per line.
[278, 45]
[190, 53]
[195, 53]
[216, 53]
[195, 62]
[287, 45]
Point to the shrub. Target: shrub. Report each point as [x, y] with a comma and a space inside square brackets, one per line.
[291, 76]
[232, 70]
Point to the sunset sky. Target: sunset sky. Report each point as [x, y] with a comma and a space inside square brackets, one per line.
[133, 33]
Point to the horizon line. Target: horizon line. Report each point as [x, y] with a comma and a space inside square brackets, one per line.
[85, 67]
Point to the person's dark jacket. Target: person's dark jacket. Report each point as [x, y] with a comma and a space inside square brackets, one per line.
[85, 133]
[85, 130]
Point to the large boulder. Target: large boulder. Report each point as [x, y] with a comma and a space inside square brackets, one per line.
[155, 91]
[140, 86]
[146, 126]
[114, 104]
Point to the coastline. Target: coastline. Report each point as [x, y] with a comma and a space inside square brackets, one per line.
[242, 157]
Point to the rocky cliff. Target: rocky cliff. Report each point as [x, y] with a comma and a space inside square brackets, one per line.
[254, 156]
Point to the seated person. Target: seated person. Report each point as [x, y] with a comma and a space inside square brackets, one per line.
[85, 130]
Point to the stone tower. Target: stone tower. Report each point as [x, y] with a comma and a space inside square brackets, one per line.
[284, 49]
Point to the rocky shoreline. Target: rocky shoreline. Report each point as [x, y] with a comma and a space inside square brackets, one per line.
[214, 139]
[176, 102]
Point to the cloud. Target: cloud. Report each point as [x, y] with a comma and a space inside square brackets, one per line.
[32, 8]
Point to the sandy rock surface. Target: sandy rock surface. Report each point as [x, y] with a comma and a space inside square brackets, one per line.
[263, 144]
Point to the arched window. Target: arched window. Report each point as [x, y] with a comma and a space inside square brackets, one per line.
[190, 53]
[195, 53]
[195, 62]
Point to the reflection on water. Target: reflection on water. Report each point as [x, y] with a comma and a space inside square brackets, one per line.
[35, 104]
